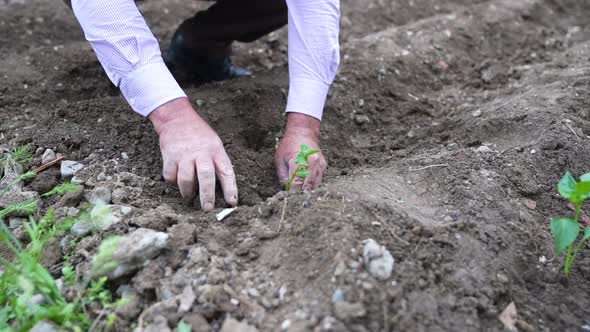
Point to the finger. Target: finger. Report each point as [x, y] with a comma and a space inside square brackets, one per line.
[314, 169]
[206, 175]
[297, 183]
[282, 168]
[169, 171]
[186, 179]
[227, 177]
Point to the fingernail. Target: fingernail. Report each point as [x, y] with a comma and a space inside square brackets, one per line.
[208, 207]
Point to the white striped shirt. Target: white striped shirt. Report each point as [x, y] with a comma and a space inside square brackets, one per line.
[130, 54]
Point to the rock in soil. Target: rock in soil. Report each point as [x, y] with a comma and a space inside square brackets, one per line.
[197, 322]
[347, 311]
[99, 194]
[101, 218]
[69, 168]
[159, 218]
[232, 325]
[48, 156]
[136, 249]
[160, 324]
[377, 259]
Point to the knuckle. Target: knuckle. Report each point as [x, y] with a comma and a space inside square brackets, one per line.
[226, 171]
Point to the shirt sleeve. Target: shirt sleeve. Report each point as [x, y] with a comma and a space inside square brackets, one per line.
[128, 52]
[314, 53]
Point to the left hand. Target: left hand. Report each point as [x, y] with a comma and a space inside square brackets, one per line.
[301, 129]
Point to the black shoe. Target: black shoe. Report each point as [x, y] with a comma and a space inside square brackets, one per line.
[200, 67]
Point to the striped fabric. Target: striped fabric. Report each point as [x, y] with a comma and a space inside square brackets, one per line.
[130, 54]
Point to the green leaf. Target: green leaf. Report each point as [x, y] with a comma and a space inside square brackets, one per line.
[582, 190]
[304, 148]
[565, 231]
[586, 234]
[303, 174]
[566, 186]
[184, 327]
[301, 160]
[310, 152]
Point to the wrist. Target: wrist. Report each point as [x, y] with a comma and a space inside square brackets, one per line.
[300, 123]
[169, 112]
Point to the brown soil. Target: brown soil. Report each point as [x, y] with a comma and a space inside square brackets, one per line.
[420, 88]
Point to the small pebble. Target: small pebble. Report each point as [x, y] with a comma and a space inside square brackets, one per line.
[69, 168]
[484, 149]
[48, 156]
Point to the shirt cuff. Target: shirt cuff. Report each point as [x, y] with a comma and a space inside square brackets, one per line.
[150, 86]
[307, 96]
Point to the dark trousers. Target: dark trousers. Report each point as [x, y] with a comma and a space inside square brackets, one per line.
[227, 20]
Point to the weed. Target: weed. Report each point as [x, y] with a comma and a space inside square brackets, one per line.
[22, 154]
[565, 230]
[103, 262]
[184, 327]
[23, 177]
[302, 164]
[62, 188]
[24, 279]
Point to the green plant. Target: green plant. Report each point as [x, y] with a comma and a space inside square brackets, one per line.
[24, 278]
[103, 262]
[565, 230]
[302, 164]
[62, 188]
[184, 327]
[21, 154]
[26, 207]
[23, 177]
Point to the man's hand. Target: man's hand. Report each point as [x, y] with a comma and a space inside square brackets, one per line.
[301, 129]
[191, 149]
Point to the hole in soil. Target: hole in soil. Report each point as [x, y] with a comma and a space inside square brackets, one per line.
[256, 138]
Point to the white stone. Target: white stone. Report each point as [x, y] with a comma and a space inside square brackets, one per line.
[377, 259]
[48, 156]
[69, 168]
[484, 149]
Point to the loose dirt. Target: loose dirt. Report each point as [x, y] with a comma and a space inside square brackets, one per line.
[422, 87]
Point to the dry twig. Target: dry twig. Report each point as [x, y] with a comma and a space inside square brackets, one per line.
[48, 165]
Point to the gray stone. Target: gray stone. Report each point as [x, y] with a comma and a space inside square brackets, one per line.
[232, 325]
[135, 250]
[186, 299]
[99, 194]
[48, 156]
[101, 218]
[197, 322]
[131, 306]
[160, 324]
[69, 168]
[44, 326]
[347, 311]
[14, 222]
[484, 149]
[338, 296]
[361, 119]
[377, 259]
[120, 196]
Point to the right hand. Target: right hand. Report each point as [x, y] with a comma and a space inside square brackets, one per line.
[191, 149]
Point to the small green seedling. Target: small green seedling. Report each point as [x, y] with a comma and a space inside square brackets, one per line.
[302, 164]
[566, 230]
